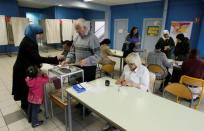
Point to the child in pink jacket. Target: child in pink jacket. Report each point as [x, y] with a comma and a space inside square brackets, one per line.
[35, 81]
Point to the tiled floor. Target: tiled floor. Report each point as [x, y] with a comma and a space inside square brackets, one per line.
[12, 118]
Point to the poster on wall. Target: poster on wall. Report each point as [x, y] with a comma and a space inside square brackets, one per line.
[153, 30]
[181, 27]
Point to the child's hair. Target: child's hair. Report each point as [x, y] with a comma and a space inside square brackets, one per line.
[32, 71]
[67, 42]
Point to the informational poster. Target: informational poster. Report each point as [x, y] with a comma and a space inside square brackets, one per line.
[181, 27]
[153, 30]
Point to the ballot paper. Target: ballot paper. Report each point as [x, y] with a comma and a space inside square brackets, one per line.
[92, 88]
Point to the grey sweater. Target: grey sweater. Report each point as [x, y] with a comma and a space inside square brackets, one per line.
[86, 47]
[159, 58]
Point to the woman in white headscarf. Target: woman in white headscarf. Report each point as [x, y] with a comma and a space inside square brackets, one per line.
[167, 43]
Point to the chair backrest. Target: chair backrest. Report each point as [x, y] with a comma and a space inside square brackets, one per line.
[108, 68]
[152, 80]
[100, 62]
[179, 90]
[155, 68]
[191, 81]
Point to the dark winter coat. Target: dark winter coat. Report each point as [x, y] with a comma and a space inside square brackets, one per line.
[182, 50]
[28, 54]
[169, 42]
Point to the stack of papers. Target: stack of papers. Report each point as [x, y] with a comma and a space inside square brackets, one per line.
[87, 87]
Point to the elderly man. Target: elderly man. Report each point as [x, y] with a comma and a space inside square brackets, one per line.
[159, 58]
[85, 50]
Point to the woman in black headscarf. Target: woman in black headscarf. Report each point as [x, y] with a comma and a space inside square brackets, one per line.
[183, 48]
[28, 54]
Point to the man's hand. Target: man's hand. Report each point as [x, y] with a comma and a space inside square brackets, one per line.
[60, 57]
[82, 62]
[63, 63]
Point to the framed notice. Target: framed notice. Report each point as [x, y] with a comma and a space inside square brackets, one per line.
[153, 31]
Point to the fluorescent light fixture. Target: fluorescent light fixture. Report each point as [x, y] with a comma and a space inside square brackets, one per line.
[60, 5]
[88, 0]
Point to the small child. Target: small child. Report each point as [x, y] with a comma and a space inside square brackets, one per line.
[35, 81]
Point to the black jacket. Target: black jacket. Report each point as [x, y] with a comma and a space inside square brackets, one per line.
[182, 50]
[170, 42]
[28, 54]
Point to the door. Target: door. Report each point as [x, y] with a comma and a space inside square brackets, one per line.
[151, 32]
[120, 32]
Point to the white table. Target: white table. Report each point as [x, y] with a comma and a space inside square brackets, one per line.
[178, 63]
[132, 109]
[118, 54]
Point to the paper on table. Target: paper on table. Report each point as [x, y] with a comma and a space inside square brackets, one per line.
[92, 89]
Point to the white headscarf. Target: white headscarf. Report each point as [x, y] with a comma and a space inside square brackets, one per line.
[165, 32]
[134, 58]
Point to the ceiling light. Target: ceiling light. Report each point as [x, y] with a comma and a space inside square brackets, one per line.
[59, 5]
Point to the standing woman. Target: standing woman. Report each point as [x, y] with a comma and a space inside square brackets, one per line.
[133, 37]
[167, 43]
[183, 48]
[28, 54]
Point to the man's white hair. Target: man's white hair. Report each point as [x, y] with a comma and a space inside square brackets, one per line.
[134, 58]
[82, 23]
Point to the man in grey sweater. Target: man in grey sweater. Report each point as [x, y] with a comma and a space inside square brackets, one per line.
[85, 50]
[159, 58]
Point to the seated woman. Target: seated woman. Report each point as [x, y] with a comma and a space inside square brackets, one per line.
[134, 74]
[66, 45]
[105, 49]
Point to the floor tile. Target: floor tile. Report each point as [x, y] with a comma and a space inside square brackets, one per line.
[10, 109]
[47, 124]
[19, 125]
[2, 122]
[13, 117]
[5, 128]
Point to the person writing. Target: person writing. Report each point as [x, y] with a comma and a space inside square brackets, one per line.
[134, 74]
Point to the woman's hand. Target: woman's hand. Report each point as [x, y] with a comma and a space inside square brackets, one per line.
[63, 63]
[60, 57]
[118, 82]
[137, 44]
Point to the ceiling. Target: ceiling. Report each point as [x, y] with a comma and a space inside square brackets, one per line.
[120, 2]
[40, 4]
[31, 4]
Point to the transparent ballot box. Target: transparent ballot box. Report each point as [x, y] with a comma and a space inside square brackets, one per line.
[63, 77]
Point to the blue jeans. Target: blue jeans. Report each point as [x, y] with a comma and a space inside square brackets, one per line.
[33, 110]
